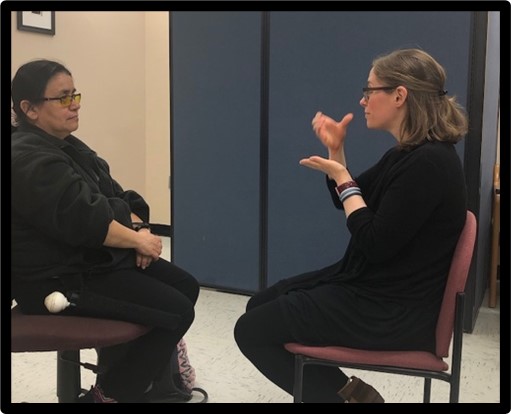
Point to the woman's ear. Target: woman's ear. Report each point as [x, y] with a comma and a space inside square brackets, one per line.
[29, 110]
[401, 95]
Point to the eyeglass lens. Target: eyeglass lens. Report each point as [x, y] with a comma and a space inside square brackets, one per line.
[66, 100]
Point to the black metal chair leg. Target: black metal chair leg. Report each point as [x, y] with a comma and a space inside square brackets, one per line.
[427, 390]
[298, 385]
[68, 376]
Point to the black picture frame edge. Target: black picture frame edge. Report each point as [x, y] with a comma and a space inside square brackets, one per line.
[24, 27]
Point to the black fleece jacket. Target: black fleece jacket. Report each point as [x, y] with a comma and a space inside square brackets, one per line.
[62, 202]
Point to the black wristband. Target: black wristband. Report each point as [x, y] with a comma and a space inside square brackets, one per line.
[141, 225]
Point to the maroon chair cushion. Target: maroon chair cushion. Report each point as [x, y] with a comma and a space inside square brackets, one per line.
[402, 359]
[61, 333]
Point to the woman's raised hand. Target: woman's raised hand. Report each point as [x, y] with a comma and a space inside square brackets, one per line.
[330, 132]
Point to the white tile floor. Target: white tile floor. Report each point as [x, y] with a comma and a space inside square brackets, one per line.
[229, 378]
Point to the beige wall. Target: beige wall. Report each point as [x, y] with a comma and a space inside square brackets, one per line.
[157, 120]
[120, 63]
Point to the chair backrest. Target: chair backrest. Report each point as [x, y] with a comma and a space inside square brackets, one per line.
[456, 281]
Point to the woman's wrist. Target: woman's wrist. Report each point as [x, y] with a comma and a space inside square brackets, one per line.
[337, 155]
[342, 177]
[346, 185]
[141, 225]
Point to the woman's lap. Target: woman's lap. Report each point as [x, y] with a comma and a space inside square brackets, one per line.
[157, 286]
[162, 286]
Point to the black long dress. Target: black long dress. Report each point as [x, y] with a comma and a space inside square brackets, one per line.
[385, 293]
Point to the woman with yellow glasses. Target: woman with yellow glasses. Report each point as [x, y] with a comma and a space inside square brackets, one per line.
[75, 230]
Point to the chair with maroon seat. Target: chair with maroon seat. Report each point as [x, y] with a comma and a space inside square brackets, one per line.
[412, 363]
[67, 335]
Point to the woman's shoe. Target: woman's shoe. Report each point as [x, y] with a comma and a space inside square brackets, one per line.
[95, 395]
[357, 391]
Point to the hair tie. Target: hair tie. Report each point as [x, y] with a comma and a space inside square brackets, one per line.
[442, 93]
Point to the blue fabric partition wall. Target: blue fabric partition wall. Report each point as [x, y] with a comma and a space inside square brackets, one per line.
[245, 87]
[215, 73]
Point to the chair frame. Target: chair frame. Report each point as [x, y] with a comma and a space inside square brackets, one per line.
[495, 238]
[454, 298]
[453, 378]
[68, 352]
[69, 384]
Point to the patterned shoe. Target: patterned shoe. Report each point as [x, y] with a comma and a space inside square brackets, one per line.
[357, 391]
[95, 395]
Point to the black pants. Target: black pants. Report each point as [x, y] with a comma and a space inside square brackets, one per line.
[261, 333]
[160, 286]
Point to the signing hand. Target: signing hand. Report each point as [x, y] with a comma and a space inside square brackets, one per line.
[330, 132]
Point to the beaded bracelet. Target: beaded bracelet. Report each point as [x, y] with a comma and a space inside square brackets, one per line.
[340, 188]
[348, 192]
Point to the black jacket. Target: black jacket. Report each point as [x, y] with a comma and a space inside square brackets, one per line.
[62, 202]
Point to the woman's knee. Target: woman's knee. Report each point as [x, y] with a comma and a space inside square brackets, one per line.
[192, 289]
[253, 327]
[263, 297]
[180, 279]
[261, 326]
[242, 330]
[188, 316]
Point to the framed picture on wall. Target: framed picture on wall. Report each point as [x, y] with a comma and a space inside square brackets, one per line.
[37, 21]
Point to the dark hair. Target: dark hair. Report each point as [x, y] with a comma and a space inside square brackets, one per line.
[29, 83]
[431, 114]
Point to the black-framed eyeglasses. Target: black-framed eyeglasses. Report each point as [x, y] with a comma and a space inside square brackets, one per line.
[366, 92]
[66, 100]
